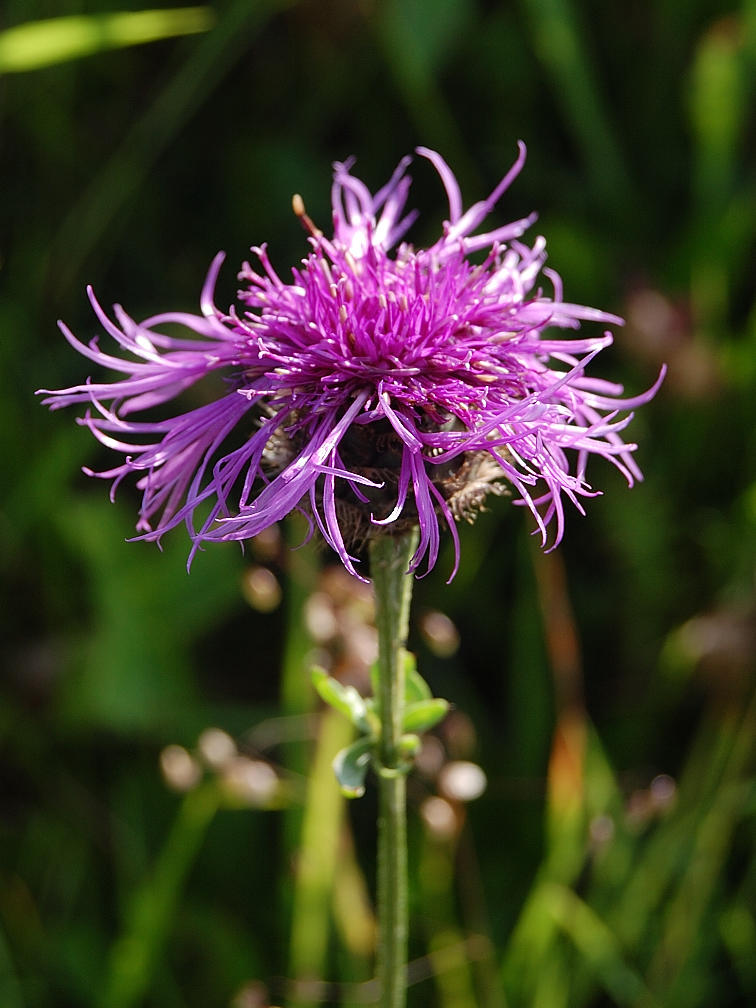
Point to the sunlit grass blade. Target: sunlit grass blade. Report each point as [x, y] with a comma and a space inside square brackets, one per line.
[615, 846]
[690, 903]
[446, 945]
[596, 943]
[553, 984]
[531, 943]
[526, 953]
[566, 772]
[475, 918]
[667, 851]
[135, 955]
[721, 79]
[352, 910]
[317, 855]
[536, 928]
[298, 697]
[648, 883]
[452, 969]
[691, 900]
[718, 111]
[38, 44]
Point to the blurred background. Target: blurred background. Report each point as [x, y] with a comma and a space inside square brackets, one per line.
[170, 834]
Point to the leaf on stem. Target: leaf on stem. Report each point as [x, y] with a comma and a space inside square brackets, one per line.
[421, 716]
[351, 765]
[409, 746]
[344, 699]
[415, 687]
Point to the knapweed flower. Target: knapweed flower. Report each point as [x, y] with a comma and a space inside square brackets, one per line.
[374, 392]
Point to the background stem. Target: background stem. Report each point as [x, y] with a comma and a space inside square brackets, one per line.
[317, 856]
[389, 560]
[135, 955]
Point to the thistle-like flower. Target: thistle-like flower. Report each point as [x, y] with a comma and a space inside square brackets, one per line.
[373, 392]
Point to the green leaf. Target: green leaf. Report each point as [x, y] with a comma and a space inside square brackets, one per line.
[415, 687]
[350, 766]
[344, 699]
[419, 717]
[57, 40]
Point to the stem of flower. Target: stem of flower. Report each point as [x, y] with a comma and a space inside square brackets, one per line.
[389, 560]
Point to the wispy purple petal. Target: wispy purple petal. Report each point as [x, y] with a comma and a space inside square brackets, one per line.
[455, 361]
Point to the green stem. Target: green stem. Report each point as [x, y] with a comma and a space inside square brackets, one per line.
[389, 560]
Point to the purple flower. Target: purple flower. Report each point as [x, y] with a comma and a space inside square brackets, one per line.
[372, 392]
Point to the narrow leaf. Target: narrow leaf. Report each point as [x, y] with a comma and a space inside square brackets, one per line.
[39, 44]
[135, 956]
[597, 944]
[344, 699]
[420, 716]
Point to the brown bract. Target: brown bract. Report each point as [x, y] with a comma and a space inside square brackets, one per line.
[374, 451]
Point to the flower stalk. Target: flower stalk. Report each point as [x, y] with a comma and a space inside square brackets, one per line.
[390, 558]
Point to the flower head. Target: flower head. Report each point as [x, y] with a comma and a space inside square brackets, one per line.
[371, 391]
